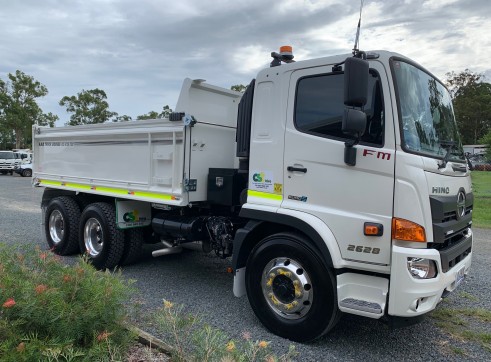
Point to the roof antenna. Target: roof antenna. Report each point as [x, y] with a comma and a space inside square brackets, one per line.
[356, 51]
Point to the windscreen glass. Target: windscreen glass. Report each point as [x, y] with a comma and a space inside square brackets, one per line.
[7, 155]
[426, 114]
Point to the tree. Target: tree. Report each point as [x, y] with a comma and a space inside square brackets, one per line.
[472, 104]
[19, 109]
[88, 107]
[46, 119]
[149, 115]
[123, 118]
[166, 111]
[239, 88]
[486, 140]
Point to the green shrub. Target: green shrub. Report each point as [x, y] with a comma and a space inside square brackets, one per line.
[54, 312]
[193, 340]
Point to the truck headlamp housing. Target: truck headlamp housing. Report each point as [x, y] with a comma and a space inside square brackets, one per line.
[420, 268]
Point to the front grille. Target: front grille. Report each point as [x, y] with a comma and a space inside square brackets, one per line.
[451, 232]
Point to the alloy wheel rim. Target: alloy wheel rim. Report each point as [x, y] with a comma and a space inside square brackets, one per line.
[287, 288]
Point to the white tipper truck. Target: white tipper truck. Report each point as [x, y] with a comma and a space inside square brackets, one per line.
[335, 185]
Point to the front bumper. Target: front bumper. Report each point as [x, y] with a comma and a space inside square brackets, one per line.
[410, 297]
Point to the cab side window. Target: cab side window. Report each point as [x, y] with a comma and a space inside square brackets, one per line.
[319, 108]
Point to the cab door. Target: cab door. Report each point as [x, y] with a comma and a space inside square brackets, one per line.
[316, 179]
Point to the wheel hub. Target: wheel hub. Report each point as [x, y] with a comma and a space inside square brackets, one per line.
[287, 288]
[56, 226]
[93, 237]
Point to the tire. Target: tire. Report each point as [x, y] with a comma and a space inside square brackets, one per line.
[101, 240]
[61, 225]
[290, 289]
[84, 201]
[27, 173]
[133, 242]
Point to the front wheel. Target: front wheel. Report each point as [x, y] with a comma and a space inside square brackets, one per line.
[290, 289]
[26, 173]
[102, 241]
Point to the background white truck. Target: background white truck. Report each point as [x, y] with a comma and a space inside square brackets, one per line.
[8, 161]
[336, 185]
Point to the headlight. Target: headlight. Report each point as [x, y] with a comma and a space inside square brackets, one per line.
[420, 268]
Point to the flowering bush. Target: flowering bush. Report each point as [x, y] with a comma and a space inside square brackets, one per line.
[195, 341]
[51, 311]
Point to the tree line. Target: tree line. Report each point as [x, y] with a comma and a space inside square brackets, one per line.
[19, 109]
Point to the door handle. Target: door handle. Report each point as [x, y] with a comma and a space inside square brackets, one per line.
[297, 169]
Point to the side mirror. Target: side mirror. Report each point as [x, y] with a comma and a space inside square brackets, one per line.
[354, 122]
[355, 82]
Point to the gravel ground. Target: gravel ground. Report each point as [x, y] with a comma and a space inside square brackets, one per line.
[201, 283]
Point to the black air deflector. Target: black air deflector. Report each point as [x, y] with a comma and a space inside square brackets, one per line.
[244, 118]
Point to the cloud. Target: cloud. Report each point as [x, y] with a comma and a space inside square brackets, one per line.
[139, 52]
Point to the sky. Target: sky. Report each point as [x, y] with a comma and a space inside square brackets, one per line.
[139, 52]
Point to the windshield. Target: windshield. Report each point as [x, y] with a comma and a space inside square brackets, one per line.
[426, 114]
[7, 155]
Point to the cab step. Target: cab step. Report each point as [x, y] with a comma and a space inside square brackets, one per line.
[361, 305]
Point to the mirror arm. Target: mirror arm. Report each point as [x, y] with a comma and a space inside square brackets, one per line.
[350, 151]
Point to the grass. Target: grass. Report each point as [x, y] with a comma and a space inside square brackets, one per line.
[456, 322]
[481, 183]
[192, 340]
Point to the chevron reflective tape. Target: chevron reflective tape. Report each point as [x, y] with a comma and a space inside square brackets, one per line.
[107, 190]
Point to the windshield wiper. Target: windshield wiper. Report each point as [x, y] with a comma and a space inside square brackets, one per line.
[448, 146]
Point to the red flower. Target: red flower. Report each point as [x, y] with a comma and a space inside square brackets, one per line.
[67, 278]
[41, 288]
[9, 303]
[43, 256]
[103, 336]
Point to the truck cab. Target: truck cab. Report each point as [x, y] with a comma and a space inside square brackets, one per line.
[395, 225]
[8, 161]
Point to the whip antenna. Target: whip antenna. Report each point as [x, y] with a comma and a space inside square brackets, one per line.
[355, 48]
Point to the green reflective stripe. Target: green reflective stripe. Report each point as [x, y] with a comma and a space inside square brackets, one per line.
[154, 195]
[64, 184]
[264, 195]
[109, 190]
[49, 183]
[76, 186]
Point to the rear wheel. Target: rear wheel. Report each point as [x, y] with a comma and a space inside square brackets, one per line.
[290, 289]
[102, 241]
[60, 225]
